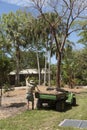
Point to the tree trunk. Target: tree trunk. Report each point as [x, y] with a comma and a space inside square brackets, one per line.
[38, 63]
[1, 96]
[45, 74]
[58, 74]
[49, 68]
[17, 74]
[17, 66]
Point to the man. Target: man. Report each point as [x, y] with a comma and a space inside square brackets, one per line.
[30, 87]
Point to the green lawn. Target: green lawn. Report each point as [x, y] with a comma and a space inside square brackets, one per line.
[47, 119]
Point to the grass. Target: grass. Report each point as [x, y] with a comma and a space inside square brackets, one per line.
[47, 119]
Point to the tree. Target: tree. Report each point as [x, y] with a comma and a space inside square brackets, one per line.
[5, 65]
[5, 68]
[47, 39]
[83, 33]
[67, 11]
[36, 42]
[16, 34]
[29, 59]
[81, 62]
[68, 65]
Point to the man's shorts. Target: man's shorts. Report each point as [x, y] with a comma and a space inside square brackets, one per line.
[29, 97]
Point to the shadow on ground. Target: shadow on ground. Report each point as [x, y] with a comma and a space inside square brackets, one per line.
[17, 104]
[67, 108]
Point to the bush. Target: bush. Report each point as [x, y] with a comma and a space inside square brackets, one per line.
[22, 83]
[7, 87]
[53, 82]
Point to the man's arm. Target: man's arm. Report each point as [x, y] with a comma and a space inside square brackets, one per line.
[27, 81]
[38, 88]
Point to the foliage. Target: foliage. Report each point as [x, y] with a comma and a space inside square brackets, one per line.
[23, 38]
[67, 13]
[53, 82]
[15, 30]
[83, 33]
[29, 59]
[5, 68]
[74, 68]
[81, 61]
[7, 87]
[68, 65]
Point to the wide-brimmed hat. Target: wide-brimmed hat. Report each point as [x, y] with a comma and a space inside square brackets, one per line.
[32, 82]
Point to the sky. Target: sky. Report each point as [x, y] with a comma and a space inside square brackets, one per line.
[6, 7]
[12, 5]
[17, 2]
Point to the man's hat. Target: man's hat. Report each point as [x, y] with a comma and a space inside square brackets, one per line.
[32, 82]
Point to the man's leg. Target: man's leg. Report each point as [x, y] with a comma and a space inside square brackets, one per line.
[33, 105]
[28, 104]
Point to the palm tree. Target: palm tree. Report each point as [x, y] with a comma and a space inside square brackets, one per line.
[36, 42]
[15, 30]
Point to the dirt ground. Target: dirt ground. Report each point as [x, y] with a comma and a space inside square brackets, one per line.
[14, 102]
